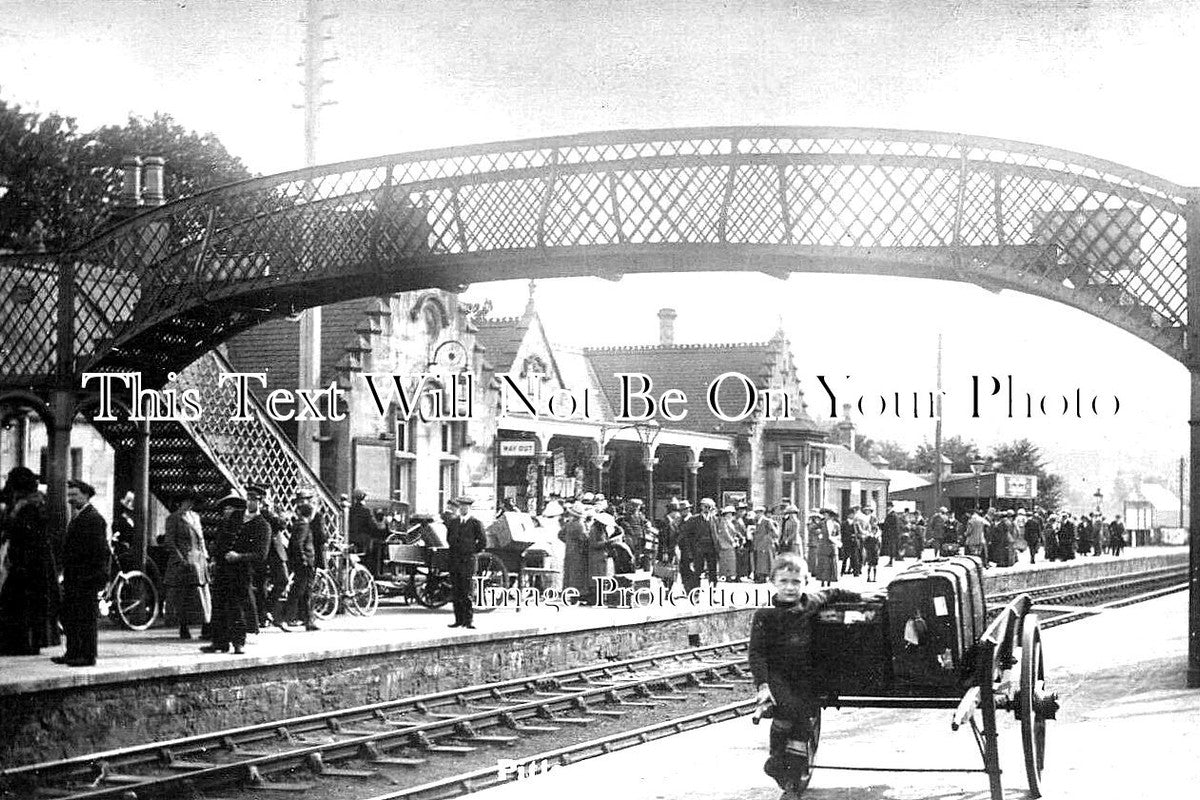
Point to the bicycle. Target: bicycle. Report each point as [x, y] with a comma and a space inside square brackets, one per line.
[345, 584]
[130, 599]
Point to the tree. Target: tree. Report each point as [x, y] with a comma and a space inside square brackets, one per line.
[1023, 457]
[897, 456]
[863, 445]
[960, 452]
[49, 188]
[63, 183]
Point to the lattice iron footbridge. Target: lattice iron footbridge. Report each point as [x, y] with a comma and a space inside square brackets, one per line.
[156, 292]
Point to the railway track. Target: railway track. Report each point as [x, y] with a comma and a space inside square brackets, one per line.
[451, 743]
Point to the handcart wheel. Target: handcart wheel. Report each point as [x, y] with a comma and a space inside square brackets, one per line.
[492, 573]
[434, 591]
[1033, 706]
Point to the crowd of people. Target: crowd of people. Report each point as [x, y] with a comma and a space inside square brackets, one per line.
[740, 542]
[255, 570]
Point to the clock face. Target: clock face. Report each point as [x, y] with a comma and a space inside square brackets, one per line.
[451, 355]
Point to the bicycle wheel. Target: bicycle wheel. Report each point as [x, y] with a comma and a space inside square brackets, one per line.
[135, 601]
[324, 595]
[362, 594]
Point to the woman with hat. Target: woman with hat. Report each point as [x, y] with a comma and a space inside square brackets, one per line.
[29, 588]
[574, 537]
[727, 542]
[827, 549]
[186, 578]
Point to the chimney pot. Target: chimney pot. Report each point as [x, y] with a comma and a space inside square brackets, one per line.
[131, 182]
[846, 427]
[153, 194]
[666, 326]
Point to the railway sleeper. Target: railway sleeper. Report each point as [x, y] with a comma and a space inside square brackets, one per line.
[317, 765]
[256, 781]
[467, 732]
[371, 753]
[421, 739]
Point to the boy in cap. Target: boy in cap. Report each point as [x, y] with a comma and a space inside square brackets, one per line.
[781, 662]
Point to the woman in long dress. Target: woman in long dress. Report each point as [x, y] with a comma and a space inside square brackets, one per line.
[827, 550]
[187, 578]
[575, 552]
[727, 543]
[29, 590]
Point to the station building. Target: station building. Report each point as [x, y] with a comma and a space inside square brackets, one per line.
[459, 372]
[498, 450]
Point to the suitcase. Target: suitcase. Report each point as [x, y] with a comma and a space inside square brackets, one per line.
[850, 649]
[978, 603]
[930, 627]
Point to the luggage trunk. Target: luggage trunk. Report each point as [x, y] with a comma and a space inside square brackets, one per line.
[931, 626]
[973, 567]
[850, 649]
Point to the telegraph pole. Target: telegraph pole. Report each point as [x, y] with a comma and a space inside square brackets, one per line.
[937, 434]
[310, 321]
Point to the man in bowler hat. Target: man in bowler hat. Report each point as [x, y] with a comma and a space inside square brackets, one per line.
[465, 536]
[86, 564]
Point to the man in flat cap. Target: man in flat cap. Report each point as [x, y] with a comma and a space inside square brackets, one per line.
[86, 565]
[465, 535]
[699, 536]
[237, 557]
[366, 531]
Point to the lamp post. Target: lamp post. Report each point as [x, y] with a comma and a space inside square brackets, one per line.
[1099, 499]
[977, 469]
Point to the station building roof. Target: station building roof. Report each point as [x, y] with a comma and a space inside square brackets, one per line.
[841, 462]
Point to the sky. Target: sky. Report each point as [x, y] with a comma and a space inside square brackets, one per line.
[1103, 78]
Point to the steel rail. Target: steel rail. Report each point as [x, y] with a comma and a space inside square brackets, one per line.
[468, 783]
[417, 738]
[261, 732]
[172, 754]
[1037, 591]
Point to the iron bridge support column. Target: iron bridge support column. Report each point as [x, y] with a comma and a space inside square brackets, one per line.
[1192, 361]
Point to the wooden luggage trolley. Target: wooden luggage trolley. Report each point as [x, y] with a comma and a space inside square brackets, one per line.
[927, 647]
[418, 570]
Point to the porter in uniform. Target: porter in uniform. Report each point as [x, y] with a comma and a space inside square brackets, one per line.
[465, 536]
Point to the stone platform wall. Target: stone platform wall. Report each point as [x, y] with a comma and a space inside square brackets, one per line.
[58, 723]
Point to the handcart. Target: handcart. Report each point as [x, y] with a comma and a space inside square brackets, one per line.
[1003, 672]
[527, 548]
[416, 565]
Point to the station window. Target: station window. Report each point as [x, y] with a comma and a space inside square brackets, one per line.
[406, 437]
[447, 484]
[405, 483]
[75, 464]
[789, 491]
[789, 462]
[447, 434]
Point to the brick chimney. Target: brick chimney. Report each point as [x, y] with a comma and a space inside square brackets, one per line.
[845, 428]
[152, 193]
[131, 183]
[666, 326]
